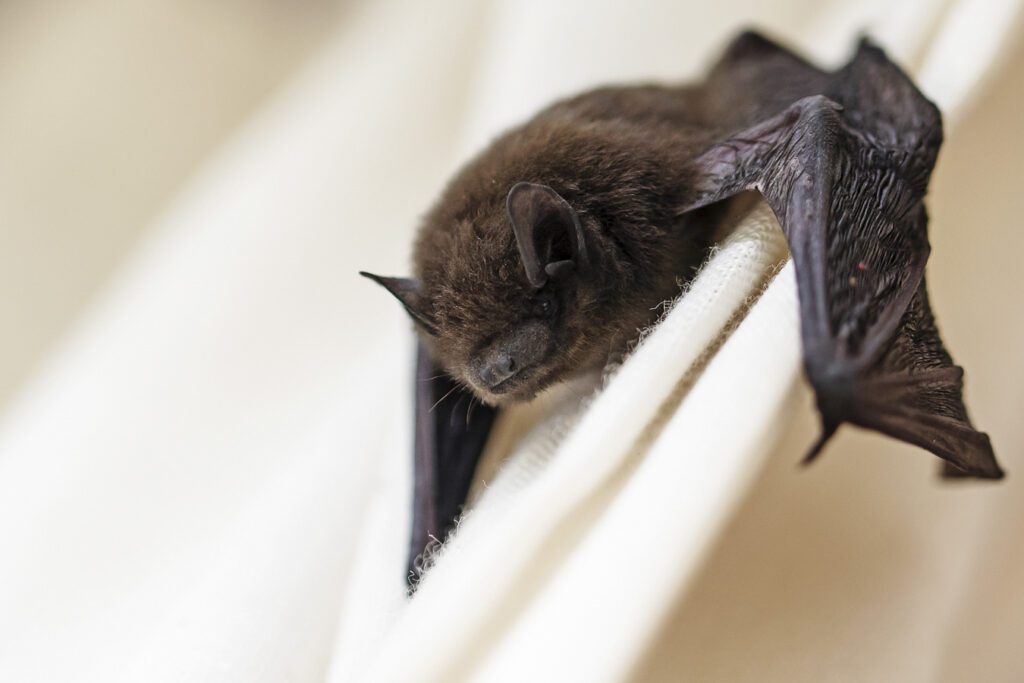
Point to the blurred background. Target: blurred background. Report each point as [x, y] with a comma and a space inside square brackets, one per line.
[107, 108]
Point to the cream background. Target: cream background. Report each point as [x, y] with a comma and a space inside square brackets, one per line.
[182, 484]
[107, 108]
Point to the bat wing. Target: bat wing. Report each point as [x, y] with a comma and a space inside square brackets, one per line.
[844, 159]
[451, 432]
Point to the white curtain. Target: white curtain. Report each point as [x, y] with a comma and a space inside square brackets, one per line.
[209, 481]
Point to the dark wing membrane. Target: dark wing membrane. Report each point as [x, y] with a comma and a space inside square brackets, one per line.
[451, 432]
[845, 166]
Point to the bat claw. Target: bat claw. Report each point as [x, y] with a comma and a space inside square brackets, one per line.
[828, 429]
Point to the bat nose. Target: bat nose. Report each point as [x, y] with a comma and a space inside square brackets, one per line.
[498, 368]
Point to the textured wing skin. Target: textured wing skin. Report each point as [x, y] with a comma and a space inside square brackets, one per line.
[845, 166]
[451, 432]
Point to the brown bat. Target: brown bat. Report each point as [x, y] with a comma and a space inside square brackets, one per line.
[549, 250]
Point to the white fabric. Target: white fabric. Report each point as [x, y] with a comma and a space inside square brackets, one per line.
[591, 497]
[186, 489]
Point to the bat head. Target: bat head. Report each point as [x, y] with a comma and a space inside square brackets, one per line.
[520, 285]
[498, 298]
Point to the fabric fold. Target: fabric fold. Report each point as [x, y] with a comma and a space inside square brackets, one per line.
[503, 552]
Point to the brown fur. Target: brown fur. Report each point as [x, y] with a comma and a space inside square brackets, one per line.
[614, 155]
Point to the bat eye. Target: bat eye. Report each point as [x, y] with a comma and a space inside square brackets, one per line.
[544, 306]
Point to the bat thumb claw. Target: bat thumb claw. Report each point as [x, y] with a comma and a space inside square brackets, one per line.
[828, 428]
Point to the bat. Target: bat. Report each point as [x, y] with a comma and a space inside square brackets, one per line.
[548, 251]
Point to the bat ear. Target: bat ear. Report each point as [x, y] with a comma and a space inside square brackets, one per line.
[551, 240]
[409, 292]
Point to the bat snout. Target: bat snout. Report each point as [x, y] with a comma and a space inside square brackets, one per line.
[497, 368]
[508, 366]
[504, 377]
